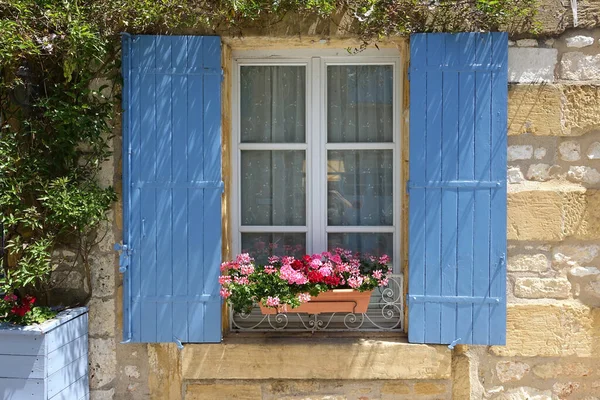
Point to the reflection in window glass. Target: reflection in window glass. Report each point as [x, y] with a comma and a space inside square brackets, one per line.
[360, 103]
[273, 187]
[375, 244]
[262, 245]
[359, 187]
[273, 104]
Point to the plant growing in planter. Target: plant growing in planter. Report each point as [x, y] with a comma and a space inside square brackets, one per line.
[337, 281]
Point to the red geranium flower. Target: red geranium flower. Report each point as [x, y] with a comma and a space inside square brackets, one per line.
[297, 265]
[332, 280]
[315, 277]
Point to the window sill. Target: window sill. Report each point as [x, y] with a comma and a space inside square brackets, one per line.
[315, 358]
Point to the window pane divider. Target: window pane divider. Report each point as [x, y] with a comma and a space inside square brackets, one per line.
[361, 229]
[272, 146]
[360, 146]
[273, 228]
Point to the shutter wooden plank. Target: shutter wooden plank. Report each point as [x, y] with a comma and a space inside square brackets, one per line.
[148, 155]
[482, 211]
[195, 222]
[164, 200]
[449, 197]
[459, 274]
[180, 203]
[134, 322]
[212, 196]
[466, 160]
[498, 206]
[418, 121]
[433, 196]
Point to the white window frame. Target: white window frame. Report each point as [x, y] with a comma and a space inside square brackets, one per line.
[316, 146]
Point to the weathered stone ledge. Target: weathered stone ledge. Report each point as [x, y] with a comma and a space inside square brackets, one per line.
[308, 358]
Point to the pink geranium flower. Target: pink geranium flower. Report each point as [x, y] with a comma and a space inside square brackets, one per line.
[304, 297]
[272, 301]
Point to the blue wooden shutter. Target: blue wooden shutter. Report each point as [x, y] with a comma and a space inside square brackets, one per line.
[171, 188]
[457, 188]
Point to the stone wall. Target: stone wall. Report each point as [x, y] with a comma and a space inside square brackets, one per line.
[553, 347]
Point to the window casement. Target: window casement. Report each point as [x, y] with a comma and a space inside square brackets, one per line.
[316, 154]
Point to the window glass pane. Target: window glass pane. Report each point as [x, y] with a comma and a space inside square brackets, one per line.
[273, 187]
[262, 245]
[360, 103]
[359, 187]
[376, 244]
[273, 103]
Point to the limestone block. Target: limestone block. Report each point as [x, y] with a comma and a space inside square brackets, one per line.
[552, 212]
[531, 65]
[588, 222]
[106, 237]
[535, 215]
[539, 153]
[103, 362]
[539, 172]
[593, 152]
[556, 369]
[525, 393]
[429, 388]
[577, 66]
[581, 113]
[102, 394]
[528, 263]
[550, 330]
[574, 255]
[541, 288]
[527, 43]
[534, 109]
[569, 151]
[514, 175]
[103, 271]
[102, 317]
[222, 392]
[583, 272]
[511, 370]
[565, 389]
[584, 174]
[393, 388]
[346, 359]
[519, 152]
[579, 41]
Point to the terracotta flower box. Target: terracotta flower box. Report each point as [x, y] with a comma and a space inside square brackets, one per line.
[336, 300]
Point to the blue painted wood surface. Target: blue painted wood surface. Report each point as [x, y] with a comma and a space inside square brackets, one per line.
[55, 360]
[173, 192]
[457, 188]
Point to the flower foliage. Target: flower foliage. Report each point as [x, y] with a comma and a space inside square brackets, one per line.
[292, 281]
[22, 310]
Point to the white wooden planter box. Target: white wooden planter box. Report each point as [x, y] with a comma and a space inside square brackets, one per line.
[46, 361]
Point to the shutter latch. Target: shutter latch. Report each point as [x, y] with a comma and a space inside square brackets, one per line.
[178, 343]
[454, 342]
[123, 256]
